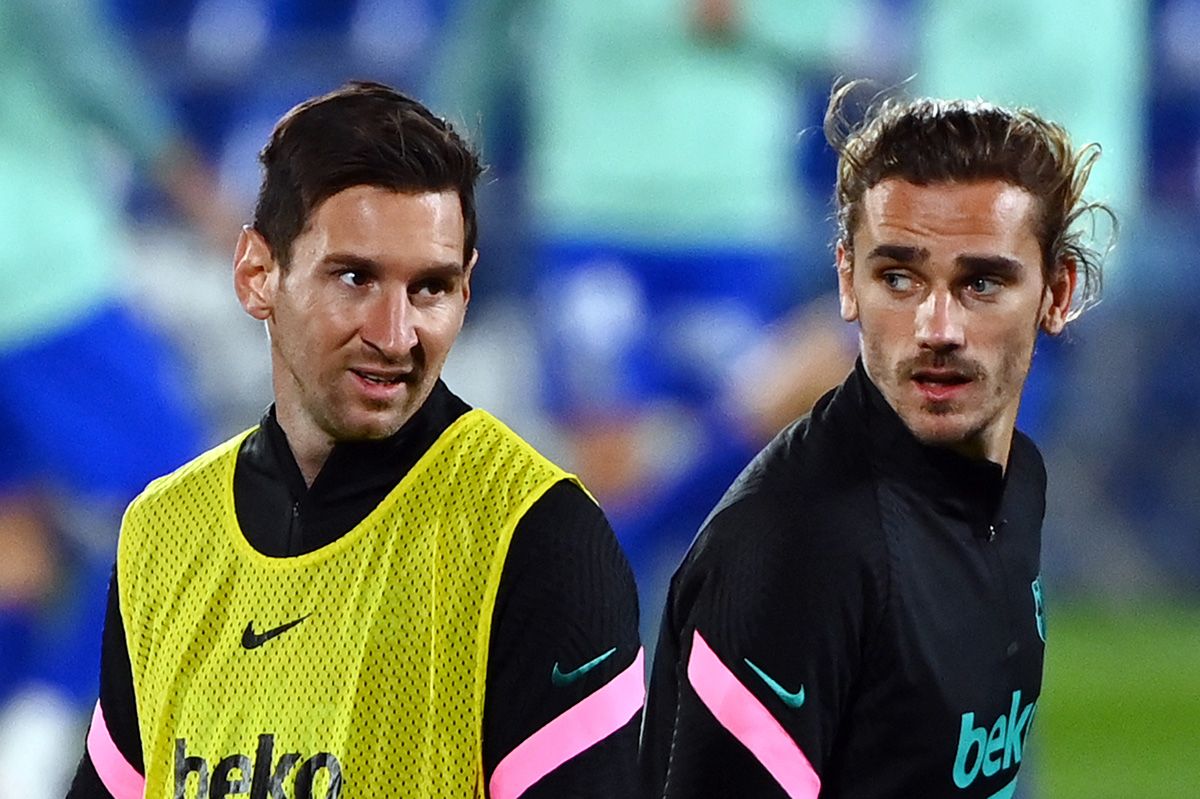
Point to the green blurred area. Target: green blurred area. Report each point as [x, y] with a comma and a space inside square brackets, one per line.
[1120, 710]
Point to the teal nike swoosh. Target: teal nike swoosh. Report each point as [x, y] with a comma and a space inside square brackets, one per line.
[792, 700]
[559, 679]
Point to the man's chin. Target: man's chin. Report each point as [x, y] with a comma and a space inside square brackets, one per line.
[939, 428]
[371, 427]
[362, 419]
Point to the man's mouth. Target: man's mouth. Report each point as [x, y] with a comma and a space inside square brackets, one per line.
[383, 378]
[940, 377]
[940, 385]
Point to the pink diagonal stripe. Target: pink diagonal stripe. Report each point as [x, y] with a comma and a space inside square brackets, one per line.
[595, 718]
[740, 712]
[121, 779]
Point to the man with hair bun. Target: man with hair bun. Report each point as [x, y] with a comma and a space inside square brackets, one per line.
[378, 591]
[861, 615]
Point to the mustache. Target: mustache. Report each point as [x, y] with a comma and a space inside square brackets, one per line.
[941, 362]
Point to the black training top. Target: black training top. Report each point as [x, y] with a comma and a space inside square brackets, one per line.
[860, 617]
[566, 594]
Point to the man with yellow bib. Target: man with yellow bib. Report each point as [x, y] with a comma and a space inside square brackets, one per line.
[378, 591]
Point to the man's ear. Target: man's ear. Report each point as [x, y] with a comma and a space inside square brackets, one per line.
[1056, 299]
[845, 271]
[255, 274]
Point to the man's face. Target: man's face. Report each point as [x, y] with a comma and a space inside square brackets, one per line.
[362, 320]
[946, 283]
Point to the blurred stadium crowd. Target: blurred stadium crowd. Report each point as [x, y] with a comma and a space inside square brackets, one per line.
[650, 332]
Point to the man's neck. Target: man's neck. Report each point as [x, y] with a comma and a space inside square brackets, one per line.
[992, 443]
[995, 450]
[310, 462]
[310, 445]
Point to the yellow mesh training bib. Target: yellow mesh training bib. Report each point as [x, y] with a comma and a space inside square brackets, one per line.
[356, 670]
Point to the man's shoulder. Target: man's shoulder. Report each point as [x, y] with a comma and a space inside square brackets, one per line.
[491, 439]
[193, 491]
[814, 461]
[807, 493]
[474, 424]
[798, 534]
[205, 467]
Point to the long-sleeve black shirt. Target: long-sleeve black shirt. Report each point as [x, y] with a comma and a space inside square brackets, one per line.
[566, 595]
[860, 617]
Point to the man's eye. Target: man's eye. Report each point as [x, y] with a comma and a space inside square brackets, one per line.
[432, 287]
[353, 277]
[984, 285]
[897, 281]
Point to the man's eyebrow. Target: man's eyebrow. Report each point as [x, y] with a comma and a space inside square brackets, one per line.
[900, 253]
[990, 264]
[352, 261]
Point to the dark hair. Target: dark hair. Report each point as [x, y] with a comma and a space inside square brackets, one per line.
[927, 141]
[363, 134]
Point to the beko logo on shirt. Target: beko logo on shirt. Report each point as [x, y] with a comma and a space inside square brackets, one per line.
[260, 778]
[991, 751]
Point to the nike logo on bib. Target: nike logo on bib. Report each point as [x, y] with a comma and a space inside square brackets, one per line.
[253, 640]
[792, 700]
[559, 679]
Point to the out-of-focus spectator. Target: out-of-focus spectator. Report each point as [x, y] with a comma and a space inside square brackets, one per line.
[660, 150]
[92, 405]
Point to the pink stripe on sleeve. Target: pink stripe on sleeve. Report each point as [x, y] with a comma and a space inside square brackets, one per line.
[595, 718]
[121, 779]
[740, 712]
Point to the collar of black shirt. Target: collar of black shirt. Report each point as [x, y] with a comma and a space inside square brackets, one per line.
[357, 466]
[968, 486]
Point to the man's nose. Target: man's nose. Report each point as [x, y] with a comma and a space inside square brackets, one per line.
[940, 323]
[390, 325]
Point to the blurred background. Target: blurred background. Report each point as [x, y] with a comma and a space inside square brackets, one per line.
[653, 298]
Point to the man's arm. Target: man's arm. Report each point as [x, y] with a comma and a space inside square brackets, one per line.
[112, 765]
[761, 643]
[565, 676]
